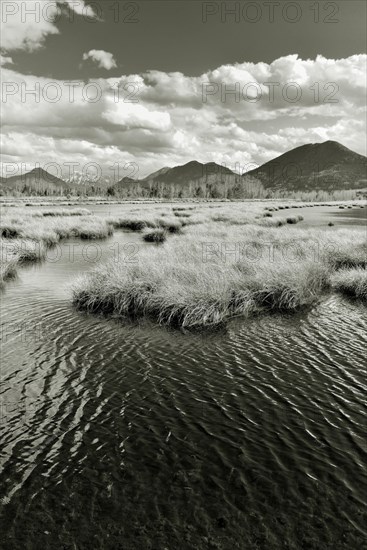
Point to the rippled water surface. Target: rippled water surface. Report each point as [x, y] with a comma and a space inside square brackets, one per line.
[131, 436]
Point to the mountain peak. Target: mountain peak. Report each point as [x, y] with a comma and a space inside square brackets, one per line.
[332, 144]
[327, 165]
[38, 171]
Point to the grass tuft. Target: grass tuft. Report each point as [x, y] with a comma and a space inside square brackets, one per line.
[294, 219]
[180, 286]
[173, 226]
[155, 236]
[351, 282]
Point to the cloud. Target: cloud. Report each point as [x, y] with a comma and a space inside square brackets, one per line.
[129, 116]
[5, 60]
[26, 24]
[104, 59]
[161, 119]
[80, 8]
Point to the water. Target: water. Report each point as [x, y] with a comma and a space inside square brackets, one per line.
[131, 436]
[320, 216]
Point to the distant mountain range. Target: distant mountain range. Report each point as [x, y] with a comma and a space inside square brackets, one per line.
[315, 167]
[193, 179]
[41, 182]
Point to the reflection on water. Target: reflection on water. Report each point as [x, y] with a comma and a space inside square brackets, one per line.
[132, 436]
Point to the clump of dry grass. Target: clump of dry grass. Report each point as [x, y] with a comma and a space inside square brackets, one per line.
[8, 270]
[62, 212]
[10, 231]
[344, 254]
[155, 236]
[189, 294]
[15, 252]
[294, 219]
[351, 282]
[273, 222]
[50, 229]
[170, 225]
[182, 214]
[132, 224]
[182, 284]
[26, 236]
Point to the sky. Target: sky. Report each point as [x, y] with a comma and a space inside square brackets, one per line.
[125, 88]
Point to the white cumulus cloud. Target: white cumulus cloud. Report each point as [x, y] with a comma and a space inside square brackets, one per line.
[104, 59]
[162, 119]
[26, 24]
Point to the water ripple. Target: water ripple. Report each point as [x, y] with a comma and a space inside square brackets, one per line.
[120, 435]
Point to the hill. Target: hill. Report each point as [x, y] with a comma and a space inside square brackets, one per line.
[192, 171]
[41, 182]
[37, 181]
[193, 179]
[321, 168]
[325, 166]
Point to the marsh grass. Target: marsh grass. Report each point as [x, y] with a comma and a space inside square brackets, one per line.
[347, 255]
[132, 224]
[27, 236]
[62, 212]
[182, 214]
[50, 229]
[170, 225]
[155, 236]
[175, 283]
[351, 282]
[273, 222]
[193, 296]
[179, 285]
[15, 252]
[8, 270]
[294, 219]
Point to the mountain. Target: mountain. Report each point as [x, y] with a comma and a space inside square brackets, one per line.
[191, 171]
[314, 167]
[37, 181]
[158, 173]
[325, 166]
[41, 182]
[193, 179]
